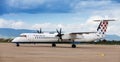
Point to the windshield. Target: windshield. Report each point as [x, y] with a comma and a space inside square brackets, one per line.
[22, 35]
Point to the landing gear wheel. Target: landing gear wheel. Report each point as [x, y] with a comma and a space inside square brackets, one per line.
[73, 46]
[53, 45]
[17, 44]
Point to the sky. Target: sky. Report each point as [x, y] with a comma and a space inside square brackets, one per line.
[70, 15]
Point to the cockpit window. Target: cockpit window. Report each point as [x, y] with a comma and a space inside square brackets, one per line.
[22, 35]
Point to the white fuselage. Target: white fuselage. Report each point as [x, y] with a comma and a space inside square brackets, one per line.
[36, 37]
[47, 37]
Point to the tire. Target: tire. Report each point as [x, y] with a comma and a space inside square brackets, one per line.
[17, 44]
[73, 46]
[53, 45]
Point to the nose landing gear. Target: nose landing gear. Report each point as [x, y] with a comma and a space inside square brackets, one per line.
[17, 44]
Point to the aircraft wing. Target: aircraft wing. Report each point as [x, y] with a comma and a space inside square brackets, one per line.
[74, 35]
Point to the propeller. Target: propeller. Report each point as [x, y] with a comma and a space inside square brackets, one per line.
[39, 31]
[59, 34]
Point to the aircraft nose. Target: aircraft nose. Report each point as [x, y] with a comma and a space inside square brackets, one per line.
[15, 39]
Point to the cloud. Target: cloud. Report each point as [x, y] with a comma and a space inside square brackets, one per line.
[87, 26]
[35, 6]
[55, 6]
[96, 6]
[102, 8]
[94, 9]
[11, 24]
[112, 26]
[17, 24]
[90, 5]
[25, 4]
[46, 26]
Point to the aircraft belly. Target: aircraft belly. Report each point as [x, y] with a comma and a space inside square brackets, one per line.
[84, 40]
[45, 40]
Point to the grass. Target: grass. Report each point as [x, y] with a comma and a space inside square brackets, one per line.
[109, 43]
[2, 40]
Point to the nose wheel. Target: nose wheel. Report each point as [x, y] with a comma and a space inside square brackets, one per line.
[17, 44]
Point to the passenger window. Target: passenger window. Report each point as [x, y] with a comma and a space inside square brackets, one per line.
[22, 35]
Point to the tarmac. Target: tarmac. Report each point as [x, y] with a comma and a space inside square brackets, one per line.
[61, 53]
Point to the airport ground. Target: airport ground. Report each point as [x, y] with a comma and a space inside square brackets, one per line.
[62, 53]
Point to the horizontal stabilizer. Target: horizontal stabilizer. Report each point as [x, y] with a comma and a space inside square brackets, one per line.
[104, 20]
[82, 32]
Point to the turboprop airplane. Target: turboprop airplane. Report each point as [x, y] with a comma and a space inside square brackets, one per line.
[60, 38]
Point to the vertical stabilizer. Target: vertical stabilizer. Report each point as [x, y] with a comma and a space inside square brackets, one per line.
[102, 27]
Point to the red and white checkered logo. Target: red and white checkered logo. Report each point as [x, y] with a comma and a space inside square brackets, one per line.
[102, 27]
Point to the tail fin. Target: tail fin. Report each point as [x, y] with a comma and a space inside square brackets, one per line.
[102, 27]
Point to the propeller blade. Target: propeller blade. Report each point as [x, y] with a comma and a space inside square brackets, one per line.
[37, 31]
[60, 30]
[57, 31]
[40, 30]
[60, 34]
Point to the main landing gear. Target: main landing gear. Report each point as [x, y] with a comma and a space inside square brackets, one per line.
[53, 45]
[73, 46]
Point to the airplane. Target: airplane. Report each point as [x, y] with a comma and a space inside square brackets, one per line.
[60, 38]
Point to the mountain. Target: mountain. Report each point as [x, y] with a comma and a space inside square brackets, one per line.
[112, 37]
[11, 33]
